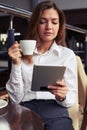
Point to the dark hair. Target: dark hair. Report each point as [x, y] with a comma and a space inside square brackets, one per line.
[34, 21]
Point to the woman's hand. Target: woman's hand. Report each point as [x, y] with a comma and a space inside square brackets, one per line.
[59, 90]
[15, 54]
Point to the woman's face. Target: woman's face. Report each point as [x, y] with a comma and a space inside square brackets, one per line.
[48, 25]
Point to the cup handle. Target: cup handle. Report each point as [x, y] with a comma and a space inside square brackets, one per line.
[6, 100]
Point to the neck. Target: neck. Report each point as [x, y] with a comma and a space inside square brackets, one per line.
[44, 46]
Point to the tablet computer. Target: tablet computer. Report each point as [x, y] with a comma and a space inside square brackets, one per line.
[45, 75]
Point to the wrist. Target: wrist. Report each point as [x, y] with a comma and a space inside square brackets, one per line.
[60, 99]
[16, 62]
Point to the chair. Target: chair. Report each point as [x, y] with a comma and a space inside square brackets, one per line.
[81, 95]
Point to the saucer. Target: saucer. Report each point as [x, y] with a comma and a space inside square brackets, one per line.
[3, 107]
[3, 103]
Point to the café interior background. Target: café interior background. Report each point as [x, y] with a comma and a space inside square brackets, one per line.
[75, 13]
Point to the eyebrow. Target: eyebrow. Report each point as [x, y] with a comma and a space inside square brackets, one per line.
[46, 18]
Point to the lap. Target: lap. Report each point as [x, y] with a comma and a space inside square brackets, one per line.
[58, 124]
[55, 117]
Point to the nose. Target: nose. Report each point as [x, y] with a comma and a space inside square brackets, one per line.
[49, 25]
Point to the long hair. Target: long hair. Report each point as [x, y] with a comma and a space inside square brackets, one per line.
[34, 22]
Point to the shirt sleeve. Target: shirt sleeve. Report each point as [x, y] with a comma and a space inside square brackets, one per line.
[14, 85]
[70, 78]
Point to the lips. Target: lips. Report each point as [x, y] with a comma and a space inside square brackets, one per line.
[48, 33]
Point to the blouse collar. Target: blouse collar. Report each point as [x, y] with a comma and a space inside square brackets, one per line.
[54, 48]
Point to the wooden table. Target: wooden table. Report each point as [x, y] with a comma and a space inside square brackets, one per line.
[20, 118]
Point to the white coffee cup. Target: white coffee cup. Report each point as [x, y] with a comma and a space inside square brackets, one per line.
[27, 46]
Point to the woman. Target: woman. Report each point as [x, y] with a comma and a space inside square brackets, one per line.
[47, 27]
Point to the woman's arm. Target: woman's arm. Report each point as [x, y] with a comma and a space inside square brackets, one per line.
[65, 91]
[14, 85]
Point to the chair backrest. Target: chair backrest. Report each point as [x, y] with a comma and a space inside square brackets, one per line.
[81, 95]
[82, 83]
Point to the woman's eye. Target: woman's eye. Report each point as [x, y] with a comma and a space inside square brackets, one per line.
[42, 22]
[55, 22]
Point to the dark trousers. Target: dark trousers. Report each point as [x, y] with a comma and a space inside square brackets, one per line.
[55, 117]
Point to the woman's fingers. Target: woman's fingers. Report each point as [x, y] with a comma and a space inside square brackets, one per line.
[59, 89]
[15, 53]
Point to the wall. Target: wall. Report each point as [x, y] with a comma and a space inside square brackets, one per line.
[63, 4]
[70, 4]
[24, 4]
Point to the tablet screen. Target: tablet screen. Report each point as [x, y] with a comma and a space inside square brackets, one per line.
[45, 75]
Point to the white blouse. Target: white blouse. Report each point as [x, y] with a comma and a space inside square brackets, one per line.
[19, 84]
